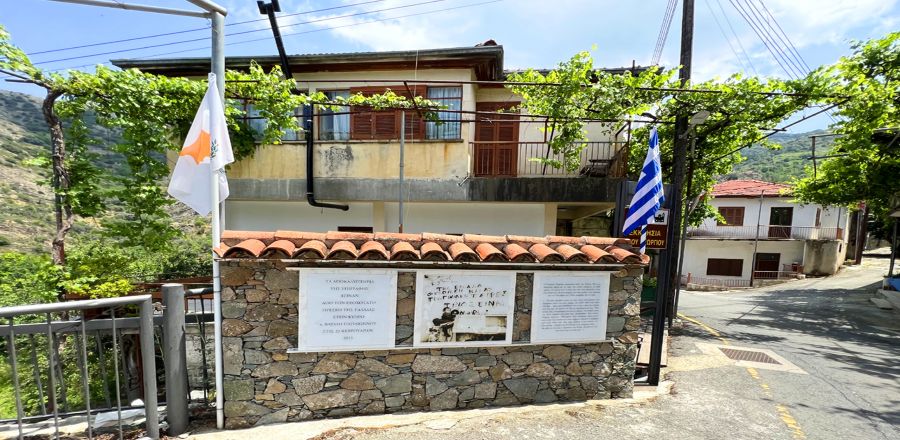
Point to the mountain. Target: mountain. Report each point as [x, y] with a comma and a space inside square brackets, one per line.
[784, 164]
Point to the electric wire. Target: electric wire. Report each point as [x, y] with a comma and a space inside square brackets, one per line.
[663, 32]
[725, 36]
[737, 38]
[759, 33]
[777, 41]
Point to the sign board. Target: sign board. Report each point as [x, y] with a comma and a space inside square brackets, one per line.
[464, 308]
[347, 309]
[569, 307]
[656, 231]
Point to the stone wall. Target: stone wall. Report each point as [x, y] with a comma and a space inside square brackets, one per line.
[264, 383]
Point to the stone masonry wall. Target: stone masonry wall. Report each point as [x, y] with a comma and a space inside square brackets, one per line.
[266, 384]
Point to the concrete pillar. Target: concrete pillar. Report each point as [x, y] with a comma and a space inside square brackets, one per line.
[176, 359]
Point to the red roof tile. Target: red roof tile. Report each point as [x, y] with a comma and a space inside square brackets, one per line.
[750, 188]
[427, 246]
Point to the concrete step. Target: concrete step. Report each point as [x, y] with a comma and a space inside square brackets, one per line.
[891, 296]
[881, 303]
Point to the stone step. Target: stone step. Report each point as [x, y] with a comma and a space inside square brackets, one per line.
[891, 296]
[881, 303]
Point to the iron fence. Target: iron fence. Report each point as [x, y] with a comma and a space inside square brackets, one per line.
[765, 232]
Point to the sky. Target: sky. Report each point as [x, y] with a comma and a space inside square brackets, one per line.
[534, 33]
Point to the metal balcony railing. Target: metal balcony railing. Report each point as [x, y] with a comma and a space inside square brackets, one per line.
[766, 232]
[516, 159]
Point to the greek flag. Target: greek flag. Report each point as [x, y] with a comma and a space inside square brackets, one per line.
[648, 195]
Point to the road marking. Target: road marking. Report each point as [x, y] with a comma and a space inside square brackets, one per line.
[783, 413]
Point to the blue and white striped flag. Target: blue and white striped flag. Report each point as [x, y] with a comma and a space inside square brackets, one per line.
[648, 196]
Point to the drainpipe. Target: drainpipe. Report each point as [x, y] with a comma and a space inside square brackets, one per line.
[756, 240]
[270, 9]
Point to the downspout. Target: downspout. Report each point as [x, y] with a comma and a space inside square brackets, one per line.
[756, 240]
[270, 9]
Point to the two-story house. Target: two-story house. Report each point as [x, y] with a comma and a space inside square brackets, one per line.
[471, 173]
[765, 235]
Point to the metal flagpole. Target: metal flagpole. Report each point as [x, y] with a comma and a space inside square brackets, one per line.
[218, 68]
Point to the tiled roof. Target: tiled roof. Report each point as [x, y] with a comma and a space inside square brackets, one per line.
[427, 247]
[750, 188]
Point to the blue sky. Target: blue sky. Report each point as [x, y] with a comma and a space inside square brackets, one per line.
[534, 33]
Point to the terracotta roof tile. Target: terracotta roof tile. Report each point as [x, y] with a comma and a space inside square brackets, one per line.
[518, 254]
[488, 253]
[403, 251]
[750, 188]
[461, 252]
[232, 238]
[247, 248]
[597, 255]
[432, 251]
[279, 249]
[313, 249]
[545, 254]
[427, 246]
[571, 254]
[372, 250]
[343, 250]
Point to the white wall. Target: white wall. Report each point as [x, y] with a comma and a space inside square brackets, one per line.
[475, 218]
[698, 251]
[295, 216]
[804, 215]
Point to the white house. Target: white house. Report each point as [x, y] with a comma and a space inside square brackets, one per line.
[766, 235]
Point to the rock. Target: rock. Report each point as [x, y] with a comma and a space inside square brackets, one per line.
[237, 423]
[522, 388]
[279, 416]
[466, 394]
[576, 393]
[539, 370]
[605, 348]
[370, 395]
[394, 401]
[376, 407]
[232, 356]
[545, 396]
[406, 306]
[403, 332]
[308, 385]
[629, 338]
[280, 343]
[615, 324]
[437, 364]
[358, 381]
[331, 399]
[281, 327]
[264, 396]
[256, 295]
[418, 397]
[590, 384]
[236, 276]
[256, 357]
[558, 353]
[335, 363]
[235, 327]
[265, 312]
[589, 357]
[244, 409]
[446, 400]
[456, 351]
[485, 361]
[468, 377]
[400, 359]
[302, 358]
[282, 279]
[340, 412]
[499, 372]
[234, 390]
[485, 390]
[518, 358]
[433, 387]
[275, 369]
[275, 387]
[233, 309]
[401, 383]
[375, 368]
[574, 369]
[289, 399]
[279, 357]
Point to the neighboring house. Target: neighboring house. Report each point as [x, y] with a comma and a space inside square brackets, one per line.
[472, 173]
[765, 235]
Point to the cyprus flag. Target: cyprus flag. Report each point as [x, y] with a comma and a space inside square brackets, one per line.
[206, 149]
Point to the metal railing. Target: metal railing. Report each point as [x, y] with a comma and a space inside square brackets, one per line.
[775, 274]
[714, 282]
[80, 328]
[598, 159]
[766, 232]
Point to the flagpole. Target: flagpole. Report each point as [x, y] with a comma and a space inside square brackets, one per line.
[218, 68]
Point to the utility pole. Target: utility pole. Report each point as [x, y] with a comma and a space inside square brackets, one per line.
[669, 265]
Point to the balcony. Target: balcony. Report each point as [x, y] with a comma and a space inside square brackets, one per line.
[514, 159]
[766, 232]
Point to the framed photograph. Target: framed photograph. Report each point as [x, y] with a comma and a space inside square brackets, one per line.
[347, 309]
[464, 308]
[569, 307]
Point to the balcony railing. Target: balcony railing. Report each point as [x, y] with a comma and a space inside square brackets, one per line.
[766, 232]
[516, 159]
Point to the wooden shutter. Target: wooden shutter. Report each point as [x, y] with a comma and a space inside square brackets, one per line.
[734, 215]
[384, 125]
[731, 267]
[497, 141]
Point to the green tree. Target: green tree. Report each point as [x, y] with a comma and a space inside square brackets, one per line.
[866, 156]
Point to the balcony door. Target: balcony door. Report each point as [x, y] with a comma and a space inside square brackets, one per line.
[766, 265]
[780, 219]
[496, 141]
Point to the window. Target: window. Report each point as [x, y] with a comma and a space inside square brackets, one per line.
[734, 215]
[452, 98]
[725, 267]
[258, 123]
[335, 127]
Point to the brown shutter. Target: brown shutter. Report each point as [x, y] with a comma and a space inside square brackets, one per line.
[385, 124]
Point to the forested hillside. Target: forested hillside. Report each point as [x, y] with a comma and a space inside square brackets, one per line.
[781, 165]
